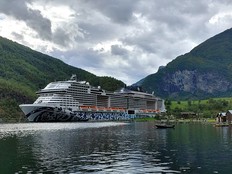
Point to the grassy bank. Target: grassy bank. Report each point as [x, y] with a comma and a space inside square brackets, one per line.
[208, 108]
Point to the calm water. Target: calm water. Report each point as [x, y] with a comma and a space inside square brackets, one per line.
[114, 148]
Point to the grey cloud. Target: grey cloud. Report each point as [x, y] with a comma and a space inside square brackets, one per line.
[118, 50]
[18, 36]
[173, 15]
[82, 57]
[147, 44]
[119, 11]
[40, 24]
[61, 37]
[196, 7]
[33, 18]
[97, 31]
[68, 34]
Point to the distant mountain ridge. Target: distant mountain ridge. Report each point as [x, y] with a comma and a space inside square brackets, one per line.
[23, 71]
[206, 71]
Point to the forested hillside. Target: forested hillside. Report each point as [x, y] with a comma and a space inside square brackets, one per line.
[202, 73]
[23, 71]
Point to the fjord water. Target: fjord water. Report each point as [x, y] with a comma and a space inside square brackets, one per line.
[113, 147]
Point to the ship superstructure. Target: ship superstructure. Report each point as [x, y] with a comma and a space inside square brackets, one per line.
[74, 100]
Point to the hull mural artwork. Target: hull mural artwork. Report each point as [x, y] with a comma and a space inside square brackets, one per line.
[49, 114]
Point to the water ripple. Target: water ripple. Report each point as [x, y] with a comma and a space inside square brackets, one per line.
[23, 129]
[109, 147]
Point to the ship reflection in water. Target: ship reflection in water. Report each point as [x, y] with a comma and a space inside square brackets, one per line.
[113, 147]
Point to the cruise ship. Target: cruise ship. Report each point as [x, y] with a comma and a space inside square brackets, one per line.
[72, 100]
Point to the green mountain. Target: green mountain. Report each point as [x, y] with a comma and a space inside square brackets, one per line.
[206, 71]
[23, 71]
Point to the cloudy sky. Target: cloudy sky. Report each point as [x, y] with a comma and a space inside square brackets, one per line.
[125, 39]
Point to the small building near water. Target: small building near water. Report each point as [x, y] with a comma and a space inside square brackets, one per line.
[221, 117]
[224, 117]
[229, 116]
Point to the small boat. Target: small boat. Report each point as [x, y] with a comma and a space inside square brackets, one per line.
[164, 126]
